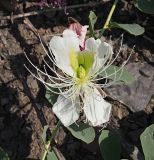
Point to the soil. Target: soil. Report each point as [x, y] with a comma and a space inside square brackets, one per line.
[24, 110]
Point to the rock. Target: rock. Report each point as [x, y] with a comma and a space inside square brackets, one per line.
[138, 94]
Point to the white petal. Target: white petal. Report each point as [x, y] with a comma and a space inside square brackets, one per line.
[58, 48]
[104, 49]
[61, 46]
[96, 109]
[66, 111]
[91, 44]
[71, 40]
[103, 54]
[69, 33]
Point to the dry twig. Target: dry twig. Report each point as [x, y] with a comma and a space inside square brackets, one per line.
[38, 12]
[58, 154]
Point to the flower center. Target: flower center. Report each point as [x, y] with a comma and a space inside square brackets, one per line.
[81, 73]
[81, 62]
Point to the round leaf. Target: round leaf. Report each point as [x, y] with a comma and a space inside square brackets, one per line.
[146, 6]
[82, 131]
[134, 29]
[147, 141]
[51, 156]
[115, 73]
[50, 96]
[110, 146]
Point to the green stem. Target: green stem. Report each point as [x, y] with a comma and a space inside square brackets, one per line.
[47, 145]
[106, 25]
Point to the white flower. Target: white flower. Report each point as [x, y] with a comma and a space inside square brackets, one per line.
[77, 87]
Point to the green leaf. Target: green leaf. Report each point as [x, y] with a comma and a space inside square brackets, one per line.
[146, 6]
[110, 145]
[115, 73]
[134, 29]
[50, 96]
[82, 131]
[92, 21]
[51, 156]
[147, 141]
[3, 155]
[44, 133]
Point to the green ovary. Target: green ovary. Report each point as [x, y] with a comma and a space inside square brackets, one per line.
[81, 63]
[81, 73]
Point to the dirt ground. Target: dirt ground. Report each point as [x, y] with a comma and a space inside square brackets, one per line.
[23, 107]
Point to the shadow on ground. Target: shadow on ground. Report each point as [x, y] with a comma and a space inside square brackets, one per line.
[15, 132]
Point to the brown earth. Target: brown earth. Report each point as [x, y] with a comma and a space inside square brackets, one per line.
[23, 107]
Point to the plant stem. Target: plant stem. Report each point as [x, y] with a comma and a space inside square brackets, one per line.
[106, 25]
[47, 145]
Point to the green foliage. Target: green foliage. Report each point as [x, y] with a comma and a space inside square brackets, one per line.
[146, 6]
[134, 29]
[3, 155]
[92, 21]
[51, 156]
[147, 141]
[82, 131]
[110, 145]
[50, 96]
[120, 75]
